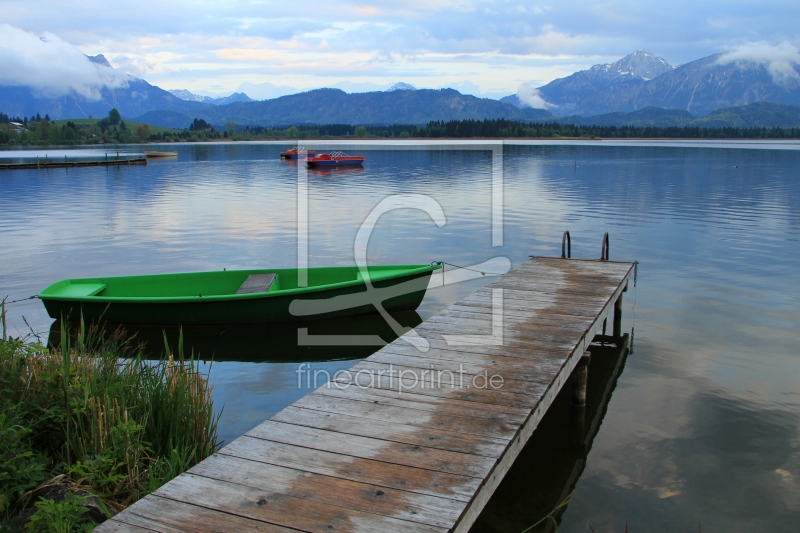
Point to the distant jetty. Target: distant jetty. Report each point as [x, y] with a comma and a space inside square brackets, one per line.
[93, 159]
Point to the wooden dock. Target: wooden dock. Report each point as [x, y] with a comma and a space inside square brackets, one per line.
[114, 160]
[398, 444]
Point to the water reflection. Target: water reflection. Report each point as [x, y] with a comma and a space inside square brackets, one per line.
[267, 343]
[703, 422]
[335, 172]
[549, 466]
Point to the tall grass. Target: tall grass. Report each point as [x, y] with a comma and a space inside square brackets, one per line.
[105, 419]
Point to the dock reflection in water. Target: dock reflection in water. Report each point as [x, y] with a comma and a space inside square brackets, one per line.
[548, 468]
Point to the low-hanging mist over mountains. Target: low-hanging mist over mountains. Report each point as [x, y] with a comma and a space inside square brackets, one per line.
[627, 91]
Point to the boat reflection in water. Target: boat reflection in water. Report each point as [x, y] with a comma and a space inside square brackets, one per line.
[332, 172]
[271, 343]
[548, 468]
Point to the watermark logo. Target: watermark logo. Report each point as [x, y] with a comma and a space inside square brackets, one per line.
[397, 379]
[375, 297]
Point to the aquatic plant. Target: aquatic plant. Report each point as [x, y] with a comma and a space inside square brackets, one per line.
[94, 416]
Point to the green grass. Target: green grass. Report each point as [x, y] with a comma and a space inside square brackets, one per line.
[128, 123]
[95, 417]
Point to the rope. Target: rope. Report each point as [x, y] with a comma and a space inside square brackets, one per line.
[22, 299]
[481, 272]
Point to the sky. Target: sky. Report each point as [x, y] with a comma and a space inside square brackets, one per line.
[484, 48]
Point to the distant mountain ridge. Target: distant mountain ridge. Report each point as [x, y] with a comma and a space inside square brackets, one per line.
[184, 94]
[563, 94]
[334, 106]
[698, 87]
[642, 80]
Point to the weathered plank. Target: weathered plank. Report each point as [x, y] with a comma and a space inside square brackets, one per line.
[405, 505]
[155, 513]
[444, 440]
[279, 509]
[382, 448]
[369, 448]
[373, 471]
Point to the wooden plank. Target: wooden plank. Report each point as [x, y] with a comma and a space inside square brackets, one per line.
[436, 374]
[370, 471]
[437, 345]
[487, 446]
[529, 370]
[112, 526]
[154, 513]
[427, 403]
[369, 448]
[279, 509]
[506, 362]
[426, 419]
[466, 393]
[401, 504]
[256, 283]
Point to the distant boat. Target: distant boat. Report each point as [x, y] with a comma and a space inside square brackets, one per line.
[161, 154]
[238, 296]
[335, 159]
[296, 153]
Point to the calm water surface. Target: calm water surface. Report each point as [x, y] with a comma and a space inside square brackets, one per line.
[702, 424]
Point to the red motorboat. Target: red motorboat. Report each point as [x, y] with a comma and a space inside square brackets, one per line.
[296, 153]
[335, 159]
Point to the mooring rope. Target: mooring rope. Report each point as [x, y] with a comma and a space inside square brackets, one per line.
[21, 299]
[481, 272]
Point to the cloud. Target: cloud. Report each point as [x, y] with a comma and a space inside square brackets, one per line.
[531, 96]
[51, 66]
[779, 60]
[135, 66]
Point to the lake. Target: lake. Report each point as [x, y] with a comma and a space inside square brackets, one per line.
[701, 423]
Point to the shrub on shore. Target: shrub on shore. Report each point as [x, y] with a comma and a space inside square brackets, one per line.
[96, 418]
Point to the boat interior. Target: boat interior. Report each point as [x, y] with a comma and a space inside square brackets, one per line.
[217, 283]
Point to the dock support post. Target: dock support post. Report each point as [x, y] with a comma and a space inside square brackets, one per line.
[617, 331]
[580, 380]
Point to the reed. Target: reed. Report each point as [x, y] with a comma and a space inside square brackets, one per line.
[108, 421]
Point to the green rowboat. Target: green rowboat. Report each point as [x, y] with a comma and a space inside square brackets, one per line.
[239, 296]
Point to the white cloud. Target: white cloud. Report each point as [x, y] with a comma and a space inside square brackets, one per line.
[135, 66]
[51, 66]
[531, 96]
[779, 60]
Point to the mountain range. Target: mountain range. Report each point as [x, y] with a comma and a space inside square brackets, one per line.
[639, 88]
[642, 80]
[183, 94]
[334, 106]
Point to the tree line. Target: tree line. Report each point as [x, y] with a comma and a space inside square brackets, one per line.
[112, 129]
[503, 128]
